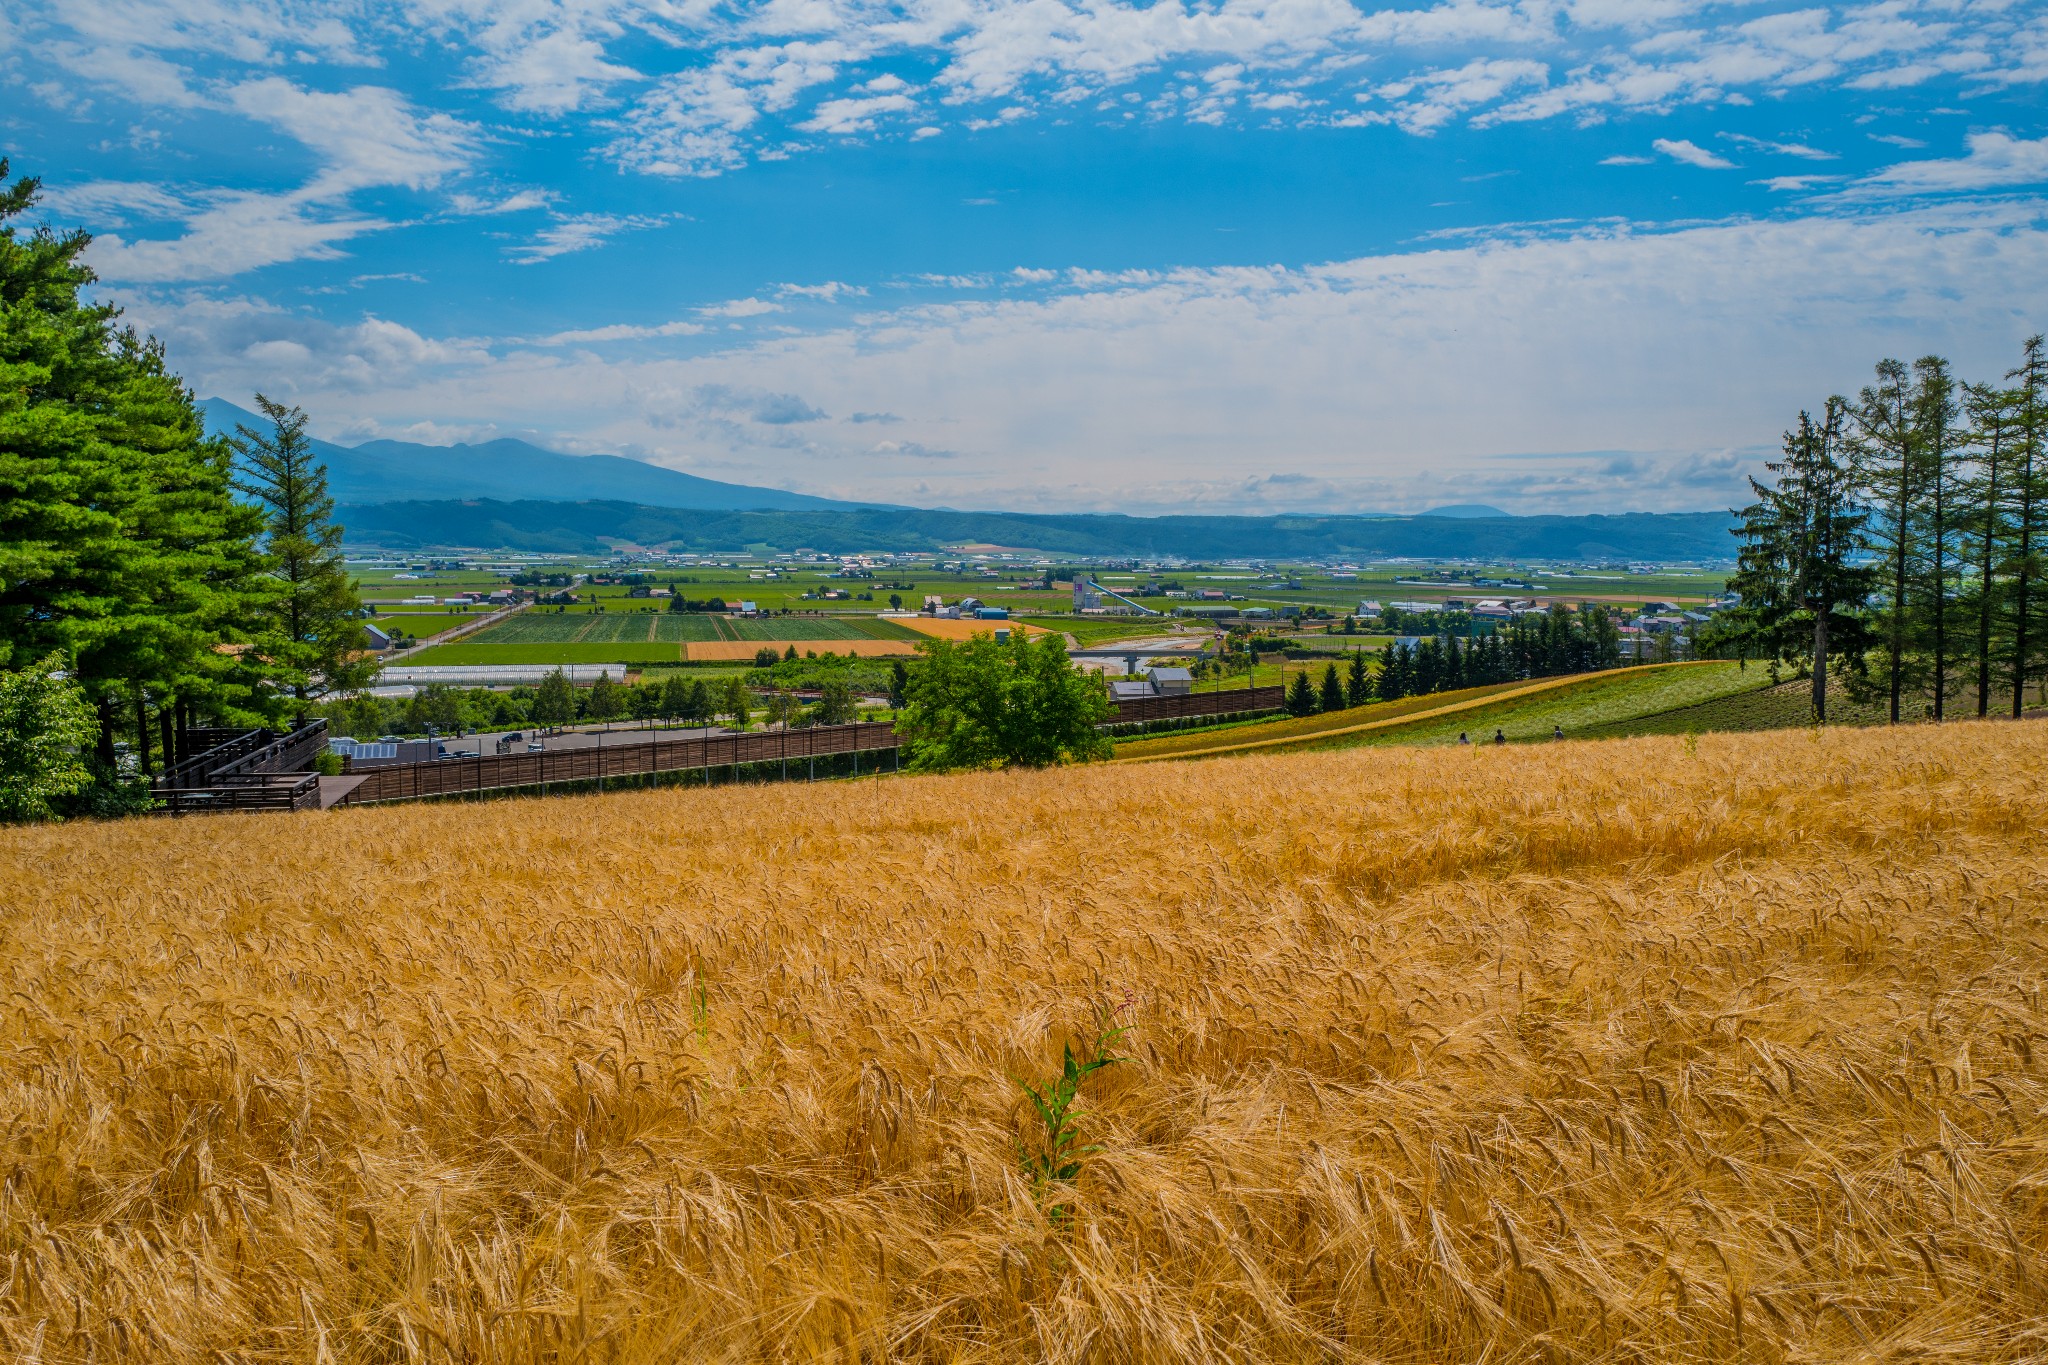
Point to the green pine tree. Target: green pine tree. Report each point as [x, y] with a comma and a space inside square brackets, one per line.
[1358, 686]
[1301, 696]
[1331, 697]
[311, 635]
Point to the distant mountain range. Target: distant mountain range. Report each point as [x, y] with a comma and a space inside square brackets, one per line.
[401, 471]
[510, 495]
[594, 527]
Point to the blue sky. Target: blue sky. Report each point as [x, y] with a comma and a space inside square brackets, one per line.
[1288, 255]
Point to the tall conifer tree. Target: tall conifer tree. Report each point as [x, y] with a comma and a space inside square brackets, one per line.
[313, 635]
[1889, 473]
[2030, 472]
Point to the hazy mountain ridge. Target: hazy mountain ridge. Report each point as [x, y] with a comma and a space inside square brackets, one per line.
[590, 526]
[515, 470]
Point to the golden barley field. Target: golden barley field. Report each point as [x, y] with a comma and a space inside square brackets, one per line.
[1638, 1051]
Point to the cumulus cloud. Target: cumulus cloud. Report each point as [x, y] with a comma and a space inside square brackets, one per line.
[1996, 160]
[1358, 375]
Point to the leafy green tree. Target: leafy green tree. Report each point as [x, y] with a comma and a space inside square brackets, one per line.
[645, 702]
[311, 635]
[1332, 696]
[977, 703]
[604, 702]
[675, 698]
[554, 701]
[436, 705]
[899, 683]
[735, 705]
[46, 727]
[1301, 696]
[782, 708]
[835, 703]
[1358, 686]
[698, 711]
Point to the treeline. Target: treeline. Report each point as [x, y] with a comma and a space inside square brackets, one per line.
[145, 571]
[1903, 535]
[1558, 642]
[676, 700]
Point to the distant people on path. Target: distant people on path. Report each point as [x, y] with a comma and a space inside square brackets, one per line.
[1500, 737]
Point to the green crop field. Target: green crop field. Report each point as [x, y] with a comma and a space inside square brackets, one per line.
[1581, 705]
[1584, 705]
[1095, 630]
[468, 652]
[796, 628]
[678, 628]
[1785, 706]
[621, 628]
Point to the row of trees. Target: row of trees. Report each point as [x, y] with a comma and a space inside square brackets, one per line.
[142, 564]
[677, 700]
[1904, 533]
[1560, 641]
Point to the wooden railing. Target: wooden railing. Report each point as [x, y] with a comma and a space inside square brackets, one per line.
[1223, 703]
[256, 792]
[292, 753]
[452, 776]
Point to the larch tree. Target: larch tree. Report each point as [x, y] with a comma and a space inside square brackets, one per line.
[2030, 472]
[312, 629]
[1940, 447]
[1890, 477]
[1988, 526]
[1796, 573]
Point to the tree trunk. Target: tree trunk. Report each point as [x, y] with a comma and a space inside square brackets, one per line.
[169, 733]
[103, 749]
[1898, 641]
[142, 734]
[1820, 666]
[1940, 594]
[1984, 593]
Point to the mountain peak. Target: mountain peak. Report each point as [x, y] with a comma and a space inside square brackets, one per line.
[511, 470]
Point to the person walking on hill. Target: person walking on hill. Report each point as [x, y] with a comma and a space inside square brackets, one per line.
[1464, 739]
[1557, 732]
[1500, 736]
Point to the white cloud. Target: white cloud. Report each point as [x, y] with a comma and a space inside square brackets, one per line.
[740, 308]
[1779, 184]
[365, 136]
[577, 232]
[1798, 149]
[618, 331]
[1354, 378]
[231, 235]
[1692, 154]
[1628, 161]
[1995, 161]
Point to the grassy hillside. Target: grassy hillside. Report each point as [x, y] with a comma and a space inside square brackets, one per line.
[1597, 1052]
[1524, 711]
